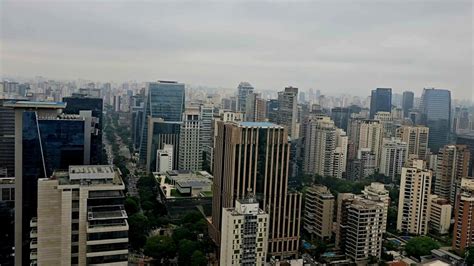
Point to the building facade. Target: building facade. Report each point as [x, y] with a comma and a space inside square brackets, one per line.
[452, 166]
[393, 157]
[288, 110]
[416, 138]
[318, 212]
[436, 115]
[190, 150]
[380, 101]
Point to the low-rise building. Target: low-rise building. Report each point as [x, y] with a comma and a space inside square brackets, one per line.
[439, 219]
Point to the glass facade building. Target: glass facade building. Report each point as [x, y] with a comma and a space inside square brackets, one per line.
[380, 101]
[407, 102]
[436, 115]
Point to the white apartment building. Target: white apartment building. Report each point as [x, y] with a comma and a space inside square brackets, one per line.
[393, 157]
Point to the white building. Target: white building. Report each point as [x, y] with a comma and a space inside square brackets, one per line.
[81, 218]
[164, 158]
[244, 234]
[439, 215]
[393, 157]
[190, 156]
[377, 193]
[370, 136]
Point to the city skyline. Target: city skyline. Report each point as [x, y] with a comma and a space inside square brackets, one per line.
[405, 46]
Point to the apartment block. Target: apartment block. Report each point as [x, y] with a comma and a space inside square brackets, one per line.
[318, 212]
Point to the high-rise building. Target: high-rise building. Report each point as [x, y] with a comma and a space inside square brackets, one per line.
[380, 101]
[244, 234]
[81, 102]
[463, 233]
[468, 140]
[407, 102]
[164, 100]
[318, 212]
[243, 90]
[387, 122]
[320, 143]
[164, 159]
[256, 108]
[340, 116]
[7, 140]
[415, 189]
[288, 110]
[436, 114]
[272, 110]
[205, 134]
[81, 218]
[45, 140]
[359, 229]
[137, 109]
[190, 155]
[254, 156]
[393, 157]
[371, 136]
[439, 219]
[377, 193]
[452, 166]
[416, 138]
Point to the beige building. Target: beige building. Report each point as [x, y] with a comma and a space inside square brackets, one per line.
[393, 157]
[190, 152]
[81, 218]
[254, 156]
[439, 215]
[244, 234]
[256, 108]
[463, 233]
[288, 110]
[370, 136]
[377, 193]
[388, 125]
[318, 212]
[414, 201]
[416, 138]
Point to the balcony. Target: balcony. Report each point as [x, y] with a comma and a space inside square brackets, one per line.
[33, 255]
[34, 222]
[34, 233]
[106, 213]
[33, 244]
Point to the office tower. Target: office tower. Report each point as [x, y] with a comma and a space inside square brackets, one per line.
[288, 110]
[255, 108]
[117, 102]
[463, 233]
[380, 101]
[359, 229]
[137, 109]
[407, 102]
[244, 234]
[439, 219]
[415, 189]
[272, 110]
[243, 90]
[436, 114]
[320, 143]
[376, 192]
[205, 133]
[159, 133]
[393, 157]
[342, 143]
[318, 212]
[255, 156]
[164, 100]
[461, 120]
[388, 125]
[416, 138]
[468, 140]
[81, 102]
[340, 116]
[190, 156]
[81, 218]
[45, 140]
[453, 164]
[164, 159]
[7, 140]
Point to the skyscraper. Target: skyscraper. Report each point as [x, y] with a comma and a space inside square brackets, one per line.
[453, 165]
[380, 101]
[244, 234]
[436, 114]
[206, 141]
[190, 155]
[340, 116]
[243, 90]
[254, 156]
[407, 102]
[164, 100]
[393, 157]
[371, 136]
[255, 108]
[320, 143]
[413, 204]
[45, 140]
[81, 218]
[7, 140]
[416, 137]
[288, 110]
[318, 212]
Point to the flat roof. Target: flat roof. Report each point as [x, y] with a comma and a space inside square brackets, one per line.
[34, 104]
[258, 124]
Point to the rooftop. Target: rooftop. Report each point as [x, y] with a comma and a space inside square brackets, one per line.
[33, 104]
[259, 124]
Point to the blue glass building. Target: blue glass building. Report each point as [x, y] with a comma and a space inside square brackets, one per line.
[436, 114]
[380, 101]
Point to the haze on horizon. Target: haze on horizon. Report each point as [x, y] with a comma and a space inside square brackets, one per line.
[335, 46]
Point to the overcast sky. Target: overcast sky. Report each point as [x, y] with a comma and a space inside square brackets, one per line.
[335, 46]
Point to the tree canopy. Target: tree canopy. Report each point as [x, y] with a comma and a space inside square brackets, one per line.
[420, 246]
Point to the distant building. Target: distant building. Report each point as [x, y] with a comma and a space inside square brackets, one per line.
[340, 116]
[255, 108]
[414, 201]
[244, 234]
[387, 122]
[243, 90]
[407, 102]
[452, 166]
[380, 101]
[468, 140]
[393, 157]
[436, 115]
[318, 212]
[416, 137]
[288, 110]
[81, 218]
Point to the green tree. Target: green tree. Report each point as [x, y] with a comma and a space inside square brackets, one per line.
[131, 205]
[198, 259]
[138, 230]
[160, 248]
[182, 233]
[469, 256]
[420, 246]
[185, 250]
[191, 218]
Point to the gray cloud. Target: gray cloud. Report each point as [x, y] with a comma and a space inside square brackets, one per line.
[329, 45]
